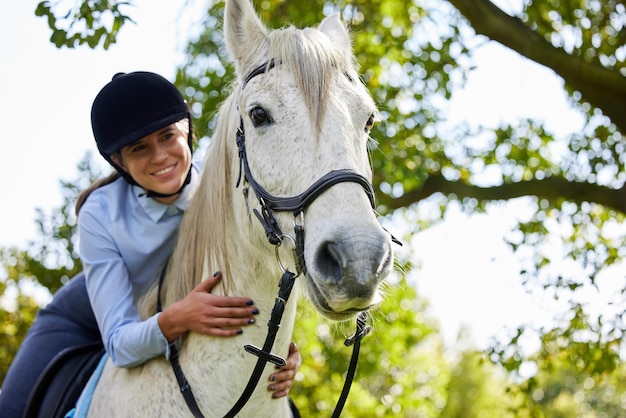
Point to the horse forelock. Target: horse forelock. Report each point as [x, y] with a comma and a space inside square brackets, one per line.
[314, 62]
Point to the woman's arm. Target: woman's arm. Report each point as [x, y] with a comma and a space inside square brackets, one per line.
[128, 340]
[107, 243]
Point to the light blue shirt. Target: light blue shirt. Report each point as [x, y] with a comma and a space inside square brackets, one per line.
[125, 239]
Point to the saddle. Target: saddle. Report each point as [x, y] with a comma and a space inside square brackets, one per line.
[62, 381]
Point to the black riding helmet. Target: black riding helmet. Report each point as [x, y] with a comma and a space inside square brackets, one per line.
[131, 106]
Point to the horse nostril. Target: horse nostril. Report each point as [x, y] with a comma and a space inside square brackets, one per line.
[330, 261]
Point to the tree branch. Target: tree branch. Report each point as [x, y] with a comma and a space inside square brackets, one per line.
[599, 86]
[551, 188]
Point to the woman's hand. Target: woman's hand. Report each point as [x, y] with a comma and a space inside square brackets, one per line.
[205, 313]
[282, 380]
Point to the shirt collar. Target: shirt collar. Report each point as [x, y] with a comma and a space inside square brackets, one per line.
[156, 210]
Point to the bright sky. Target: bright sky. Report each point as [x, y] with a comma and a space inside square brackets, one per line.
[467, 273]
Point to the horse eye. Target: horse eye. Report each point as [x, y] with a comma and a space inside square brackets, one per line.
[259, 116]
[369, 124]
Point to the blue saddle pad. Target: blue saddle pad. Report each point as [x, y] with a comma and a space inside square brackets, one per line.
[83, 403]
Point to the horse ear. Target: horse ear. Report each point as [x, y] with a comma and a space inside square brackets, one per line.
[244, 33]
[334, 28]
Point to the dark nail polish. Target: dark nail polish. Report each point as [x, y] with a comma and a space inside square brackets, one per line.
[216, 273]
[255, 312]
[250, 321]
[239, 331]
[250, 303]
[272, 387]
[273, 378]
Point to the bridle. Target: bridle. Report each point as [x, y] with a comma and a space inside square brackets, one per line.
[269, 205]
[295, 204]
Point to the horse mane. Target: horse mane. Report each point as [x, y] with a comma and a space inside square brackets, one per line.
[313, 60]
[201, 241]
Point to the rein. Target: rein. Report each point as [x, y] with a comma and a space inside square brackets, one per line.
[270, 204]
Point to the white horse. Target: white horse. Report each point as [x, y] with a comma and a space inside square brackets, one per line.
[305, 114]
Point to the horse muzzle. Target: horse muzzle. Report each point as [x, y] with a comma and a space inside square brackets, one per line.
[346, 271]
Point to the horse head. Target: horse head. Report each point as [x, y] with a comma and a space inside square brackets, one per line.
[305, 119]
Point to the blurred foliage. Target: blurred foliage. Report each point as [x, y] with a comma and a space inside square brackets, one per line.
[593, 30]
[403, 369]
[413, 57]
[14, 323]
[395, 345]
[49, 262]
[91, 22]
[584, 379]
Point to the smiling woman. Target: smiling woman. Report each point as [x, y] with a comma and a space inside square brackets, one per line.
[136, 120]
[159, 162]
